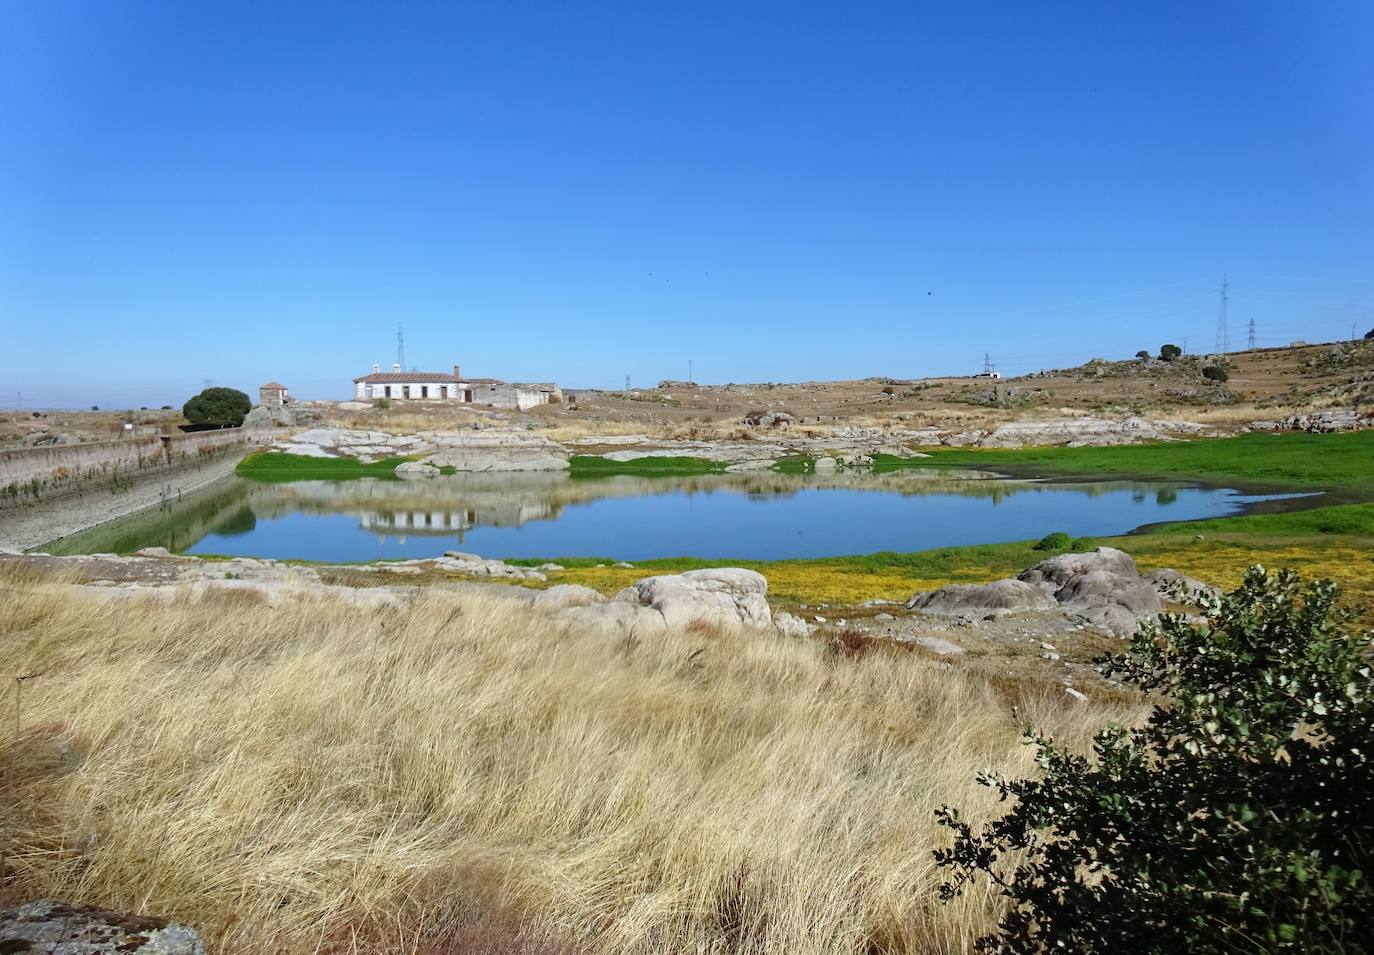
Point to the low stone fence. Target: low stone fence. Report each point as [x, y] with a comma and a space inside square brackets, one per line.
[31, 474]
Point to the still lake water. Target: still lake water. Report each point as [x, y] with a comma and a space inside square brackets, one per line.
[760, 515]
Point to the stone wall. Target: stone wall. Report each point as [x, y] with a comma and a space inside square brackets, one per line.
[32, 474]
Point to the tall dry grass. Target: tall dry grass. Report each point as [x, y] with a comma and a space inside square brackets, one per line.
[316, 777]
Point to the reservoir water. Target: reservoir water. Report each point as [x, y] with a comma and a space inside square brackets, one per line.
[760, 515]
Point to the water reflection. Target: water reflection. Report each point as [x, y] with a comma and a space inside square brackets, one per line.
[759, 514]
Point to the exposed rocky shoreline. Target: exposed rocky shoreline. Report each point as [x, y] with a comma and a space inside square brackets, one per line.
[482, 449]
[1100, 590]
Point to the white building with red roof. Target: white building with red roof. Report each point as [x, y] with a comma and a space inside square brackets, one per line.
[398, 385]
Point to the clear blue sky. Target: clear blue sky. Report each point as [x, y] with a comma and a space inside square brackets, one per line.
[240, 191]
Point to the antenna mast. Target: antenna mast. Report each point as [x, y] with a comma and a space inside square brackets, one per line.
[401, 346]
[1251, 342]
[1223, 332]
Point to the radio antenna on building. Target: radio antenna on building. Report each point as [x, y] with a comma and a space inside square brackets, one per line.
[400, 345]
[1251, 343]
[1223, 333]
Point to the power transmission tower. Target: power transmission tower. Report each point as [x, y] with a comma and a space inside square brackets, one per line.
[987, 364]
[401, 345]
[1223, 332]
[627, 382]
[1251, 343]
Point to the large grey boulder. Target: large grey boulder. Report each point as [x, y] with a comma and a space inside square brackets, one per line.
[1055, 572]
[50, 927]
[727, 597]
[614, 619]
[994, 599]
[563, 596]
[1101, 588]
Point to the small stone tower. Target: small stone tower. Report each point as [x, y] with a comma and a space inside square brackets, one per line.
[273, 395]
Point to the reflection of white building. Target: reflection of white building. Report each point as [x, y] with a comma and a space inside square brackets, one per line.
[443, 523]
[417, 522]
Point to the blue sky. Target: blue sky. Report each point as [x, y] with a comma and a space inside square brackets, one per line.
[235, 192]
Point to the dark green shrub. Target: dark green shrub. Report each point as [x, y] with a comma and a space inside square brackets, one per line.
[1238, 818]
[1216, 373]
[218, 406]
[1055, 541]
[1142, 354]
[1169, 352]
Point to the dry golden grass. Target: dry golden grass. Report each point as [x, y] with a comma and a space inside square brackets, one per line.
[315, 777]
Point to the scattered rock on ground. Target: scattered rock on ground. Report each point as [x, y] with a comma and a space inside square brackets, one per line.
[790, 625]
[50, 927]
[940, 645]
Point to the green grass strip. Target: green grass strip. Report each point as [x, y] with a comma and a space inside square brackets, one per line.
[587, 465]
[276, 467]
[1343, 460]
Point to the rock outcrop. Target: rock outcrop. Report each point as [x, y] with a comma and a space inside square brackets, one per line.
[289, 416]
[1077, 432]
[1319, 422]
[994, 599]
[49, 927]
[725, 597]
[484, 449]
[1101, 588]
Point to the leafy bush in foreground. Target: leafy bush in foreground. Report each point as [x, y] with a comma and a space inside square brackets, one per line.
[1216, 373]
[1239, 818]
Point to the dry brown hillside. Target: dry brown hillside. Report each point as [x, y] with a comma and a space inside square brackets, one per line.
[1265, 383]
